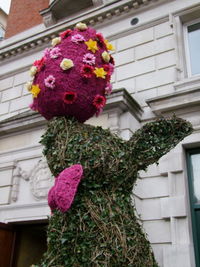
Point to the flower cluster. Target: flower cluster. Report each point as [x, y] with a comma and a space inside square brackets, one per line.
[69, 75]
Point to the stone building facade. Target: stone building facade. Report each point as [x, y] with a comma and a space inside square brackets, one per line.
[157, 74]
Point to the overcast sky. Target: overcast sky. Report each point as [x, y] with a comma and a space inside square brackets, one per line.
[5, 5]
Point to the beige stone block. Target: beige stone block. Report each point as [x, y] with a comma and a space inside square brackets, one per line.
[21, 78]
[177, 256]
[173, 207]
[154, 47]
[158, 231]
[151, 209]
[135, 39]
[21, 140]
[11, 93]
[124, 57]
[165, 60]
[5, 177]
[4, 107]
[6, 83]
[5, 195]
[128, 84]
[155, 79]
[162, 30]
[135, 69]
[20, 103]
[142, 96]
[152, 187]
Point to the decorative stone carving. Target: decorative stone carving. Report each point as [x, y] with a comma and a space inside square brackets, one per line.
[18, 173]
[41, 180]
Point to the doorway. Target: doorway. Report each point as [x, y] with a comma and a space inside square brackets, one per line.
[22, 244]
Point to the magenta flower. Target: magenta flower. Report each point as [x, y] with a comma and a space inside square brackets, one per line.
[65, 33]
[89, 59]
[87, 71]
[55, 52]
[70, 97]
[77, 38]
[50, 81]
[99, 101]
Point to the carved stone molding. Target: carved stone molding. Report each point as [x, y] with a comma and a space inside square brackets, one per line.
[41, 180]
[99, 15]
[18, 174]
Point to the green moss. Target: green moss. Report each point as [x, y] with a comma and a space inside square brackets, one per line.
[101, 228]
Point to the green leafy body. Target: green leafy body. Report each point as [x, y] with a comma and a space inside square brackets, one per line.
[101, 228]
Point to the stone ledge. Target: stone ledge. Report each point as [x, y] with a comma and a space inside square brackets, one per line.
[175, 101]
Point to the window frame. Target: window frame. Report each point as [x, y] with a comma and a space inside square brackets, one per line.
[196, 242]
[187, 49]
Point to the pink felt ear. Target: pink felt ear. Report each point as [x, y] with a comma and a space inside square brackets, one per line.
[62, 194]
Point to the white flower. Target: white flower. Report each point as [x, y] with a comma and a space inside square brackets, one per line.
[81, 26]
[66, 64]
[105, 56]
[56, 41]
[33, 71]
[28, 86]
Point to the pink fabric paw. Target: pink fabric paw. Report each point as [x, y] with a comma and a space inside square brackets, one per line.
[62, 194]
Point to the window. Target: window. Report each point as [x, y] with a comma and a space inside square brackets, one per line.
[1, 33]
[192, 39]
[193, 162]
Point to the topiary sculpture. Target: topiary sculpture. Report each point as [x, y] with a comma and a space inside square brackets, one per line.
[95, 169]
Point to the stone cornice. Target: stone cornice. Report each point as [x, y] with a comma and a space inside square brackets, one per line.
[93, 17]
[119, 99]
[175, 101]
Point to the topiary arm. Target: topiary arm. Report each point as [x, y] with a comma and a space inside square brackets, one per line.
[155, 139]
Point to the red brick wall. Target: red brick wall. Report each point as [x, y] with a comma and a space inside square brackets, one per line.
[23, 15]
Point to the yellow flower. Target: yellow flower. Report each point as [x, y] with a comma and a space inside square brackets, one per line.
[92, 45]
[35, 90]
[106, 57]
[66, 64]
[100, 73]
[33, 71]
[81, 26]
[109, 45]
[28, 86]
[56, 41]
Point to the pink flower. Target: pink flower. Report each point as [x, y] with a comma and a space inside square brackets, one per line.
[78, 38]
[99, 101]
[50, 81]
[87, 71]
[108, 89]
[66, 33]
[39, 63]
[70, 97]
[109, 68]
[55, 52]
[46, 52]
[89, 59]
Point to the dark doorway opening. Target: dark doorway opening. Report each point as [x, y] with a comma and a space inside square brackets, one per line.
[22, 244]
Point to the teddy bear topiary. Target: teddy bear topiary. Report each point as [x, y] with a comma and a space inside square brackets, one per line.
[93, 221]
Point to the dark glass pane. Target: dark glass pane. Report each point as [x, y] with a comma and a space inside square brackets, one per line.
[195, 160]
